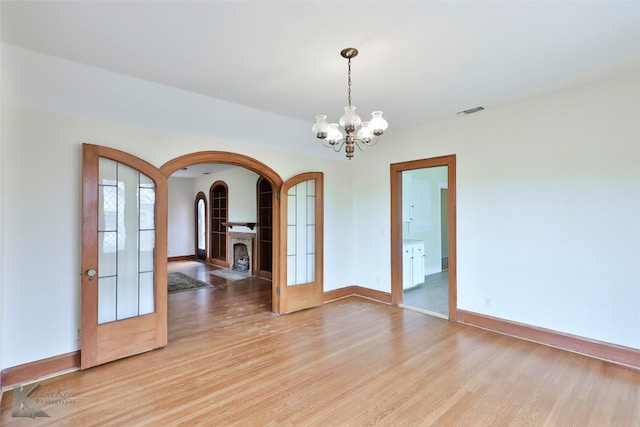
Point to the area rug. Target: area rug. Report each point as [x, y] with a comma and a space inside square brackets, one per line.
[179, 282]
[230, 274]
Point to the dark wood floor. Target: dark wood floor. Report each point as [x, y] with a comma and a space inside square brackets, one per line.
[352, 362]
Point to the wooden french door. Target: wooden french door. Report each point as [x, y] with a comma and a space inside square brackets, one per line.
[124, 253]
[301, 210]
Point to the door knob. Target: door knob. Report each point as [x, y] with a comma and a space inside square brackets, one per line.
[91, 272]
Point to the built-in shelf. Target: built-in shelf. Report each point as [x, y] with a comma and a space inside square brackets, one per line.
[251, 225]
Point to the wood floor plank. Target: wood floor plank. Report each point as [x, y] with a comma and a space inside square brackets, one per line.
[352, 362]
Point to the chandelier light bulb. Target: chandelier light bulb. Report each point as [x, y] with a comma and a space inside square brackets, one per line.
[350, 120]
[377, 123]
[321, 127]
[365, 133]
[333, 134]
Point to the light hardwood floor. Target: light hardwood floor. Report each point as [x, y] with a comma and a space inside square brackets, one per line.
[352, 362]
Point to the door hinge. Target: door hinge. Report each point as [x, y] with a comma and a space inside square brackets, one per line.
[278, 291]
[278, 196]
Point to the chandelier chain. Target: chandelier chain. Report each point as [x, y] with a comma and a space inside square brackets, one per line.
[349, 82]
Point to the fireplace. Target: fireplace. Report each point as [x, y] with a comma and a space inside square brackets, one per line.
[241, 258]
[241, 251]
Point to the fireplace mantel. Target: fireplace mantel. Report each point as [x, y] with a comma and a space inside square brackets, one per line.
[250, 225]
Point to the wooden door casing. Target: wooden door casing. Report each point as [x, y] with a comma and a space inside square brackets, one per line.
[396, 226]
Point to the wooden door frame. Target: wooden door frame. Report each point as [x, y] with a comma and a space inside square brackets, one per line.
[396, 226]
[249, 163]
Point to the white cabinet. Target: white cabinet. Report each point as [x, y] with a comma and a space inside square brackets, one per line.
[412, 263]
[416, 192]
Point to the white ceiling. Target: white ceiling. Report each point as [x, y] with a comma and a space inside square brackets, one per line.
[200, 169]
[418, 61]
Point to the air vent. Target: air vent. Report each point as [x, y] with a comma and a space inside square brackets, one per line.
[470, 110]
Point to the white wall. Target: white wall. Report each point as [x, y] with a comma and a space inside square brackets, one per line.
[2, 168]
[180, 217]
[35, 81]
[548, 209]
[42, 218]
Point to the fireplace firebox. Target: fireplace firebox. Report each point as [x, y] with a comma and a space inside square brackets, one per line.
[241, 248]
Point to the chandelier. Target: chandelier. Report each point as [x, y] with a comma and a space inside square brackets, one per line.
[357, 132]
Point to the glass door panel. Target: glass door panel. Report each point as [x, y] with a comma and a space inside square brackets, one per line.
[126, 242]
[201, 227]
[301, 231]
[202, 235]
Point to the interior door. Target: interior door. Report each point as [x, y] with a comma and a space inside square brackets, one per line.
[124, 253]
[301, 280]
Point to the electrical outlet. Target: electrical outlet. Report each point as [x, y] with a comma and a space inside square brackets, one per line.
[487, 302]
[77, 334]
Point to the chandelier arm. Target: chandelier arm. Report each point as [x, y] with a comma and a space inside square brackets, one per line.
[372, 141]
[338, 145]
[362, 145]
[326, 143]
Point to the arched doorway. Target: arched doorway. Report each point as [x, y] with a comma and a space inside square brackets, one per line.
[254, 165]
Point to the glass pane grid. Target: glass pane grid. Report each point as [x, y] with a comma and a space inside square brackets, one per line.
[127, 243]
[301, 233]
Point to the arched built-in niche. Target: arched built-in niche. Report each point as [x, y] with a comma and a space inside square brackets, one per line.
[264, 215]
[219, 204]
